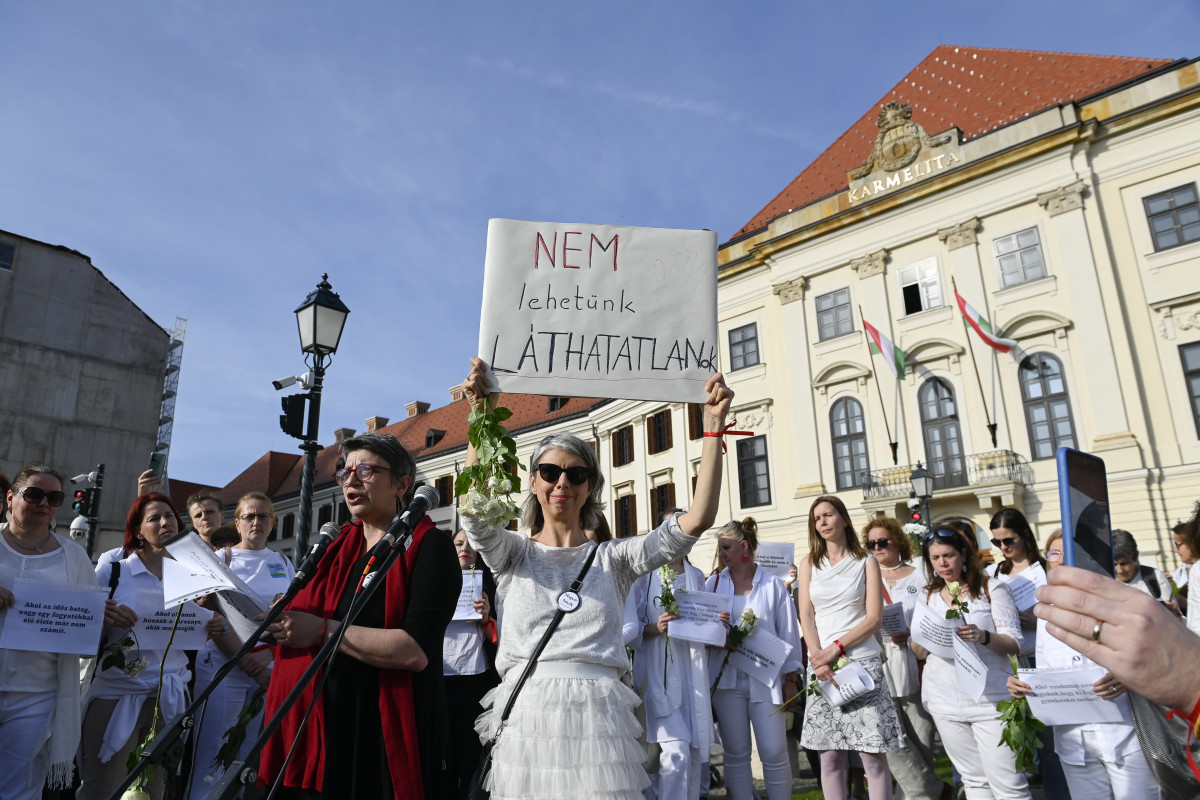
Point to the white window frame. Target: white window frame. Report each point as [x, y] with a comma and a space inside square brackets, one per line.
[927, 278]
[1021, 274]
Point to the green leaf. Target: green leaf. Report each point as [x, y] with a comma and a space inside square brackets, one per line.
[501, 414]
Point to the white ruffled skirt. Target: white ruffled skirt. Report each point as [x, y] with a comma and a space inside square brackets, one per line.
[572, 734]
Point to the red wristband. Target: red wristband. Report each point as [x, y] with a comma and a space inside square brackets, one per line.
[1193, 731]
[726, 430]
[841, 647]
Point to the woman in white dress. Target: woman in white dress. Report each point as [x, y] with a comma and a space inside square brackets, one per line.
[839, 593]
[267, 573]
[913, 764]
[1102, 760]
[1012, 534]
[741, 700]
[969, 727]
[572, 732]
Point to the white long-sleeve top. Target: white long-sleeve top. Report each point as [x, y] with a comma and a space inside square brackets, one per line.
[776, 612]
[1193, 615]
[530, 576]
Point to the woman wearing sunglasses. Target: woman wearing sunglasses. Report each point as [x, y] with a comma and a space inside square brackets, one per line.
[1012, 534]
[39, 704]
[913, 764]
[572, 732]
[968, 726]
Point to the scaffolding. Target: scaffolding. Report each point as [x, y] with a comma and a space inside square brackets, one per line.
[166, 416]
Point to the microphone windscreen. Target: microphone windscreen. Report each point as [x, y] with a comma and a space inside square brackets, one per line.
[429, 495]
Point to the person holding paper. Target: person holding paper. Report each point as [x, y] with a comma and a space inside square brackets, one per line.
[1099, 759]
[572, 732]
[741, 700]
[840, 599]
[119, 704]
[469, 666]
[913, 764]
[1012, 534]
[268, 574]
[39, 701]
[968, 724]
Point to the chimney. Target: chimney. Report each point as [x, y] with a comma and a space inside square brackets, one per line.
[416, 408]
[457, 393]
[341, 434]
[375, 423]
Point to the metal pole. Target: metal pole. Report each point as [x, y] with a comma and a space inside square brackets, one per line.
[93, 517]
[310, 448]
[928, 519]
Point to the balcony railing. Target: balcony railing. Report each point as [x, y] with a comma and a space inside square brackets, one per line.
[980, 469]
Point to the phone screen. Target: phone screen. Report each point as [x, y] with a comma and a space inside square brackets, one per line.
[1083, 496]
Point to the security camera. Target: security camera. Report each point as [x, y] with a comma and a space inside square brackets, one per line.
[914, 503]
[79, 528]
[306, 381]
[283, 383]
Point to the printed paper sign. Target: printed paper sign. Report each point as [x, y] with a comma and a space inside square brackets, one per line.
[699, 618]
[895, 621]
[54, 618]
[776, 557]
[761, 656]
[579, 310]
[973, 676]
[194, 571]
[853, 681]
[1025, 585]
[153, 628]
[471, 591]
[240, 611]
[1066, 697]
[933, 633]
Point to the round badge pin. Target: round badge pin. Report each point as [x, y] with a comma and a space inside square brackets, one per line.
[568, 601]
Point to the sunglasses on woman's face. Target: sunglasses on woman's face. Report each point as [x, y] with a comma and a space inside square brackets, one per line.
[551, 472]
[1007, 541]
[33, 495]
[878, 544]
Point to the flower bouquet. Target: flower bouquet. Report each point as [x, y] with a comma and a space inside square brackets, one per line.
[1021, 728]
[666, 602]
[958, 607]
[737, 635]
[489, 483]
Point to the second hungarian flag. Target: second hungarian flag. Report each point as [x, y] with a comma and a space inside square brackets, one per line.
[881, 345]
[981, 326]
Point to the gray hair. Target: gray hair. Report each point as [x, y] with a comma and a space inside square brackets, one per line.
[387, 447]
[591, 515]
[1124, 545]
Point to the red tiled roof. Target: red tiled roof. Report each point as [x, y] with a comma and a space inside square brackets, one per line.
[974, 89]
[181, 490]
[264, 475]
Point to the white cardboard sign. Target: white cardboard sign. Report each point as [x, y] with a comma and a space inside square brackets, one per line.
[153, 628]
[699, 618]
[973, 675]
[1066, 697]
[776, 557]
[580, 310]
[853, 681]
[470, 592]
[895, 621]
[761, 656]
[54, 618]
[933, 633]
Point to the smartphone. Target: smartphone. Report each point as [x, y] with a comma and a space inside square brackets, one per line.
[1083, 497]
[158, 462]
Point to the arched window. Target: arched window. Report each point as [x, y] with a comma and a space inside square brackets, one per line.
[1047, 407]
[849, 443]
[943, 444]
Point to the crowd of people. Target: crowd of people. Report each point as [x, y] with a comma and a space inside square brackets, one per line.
[568, 671]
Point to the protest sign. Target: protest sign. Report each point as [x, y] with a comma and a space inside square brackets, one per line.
[973, 675]
[853, 681]
[579, 310]
[1066, 697]
[932, 632]
[467, 596]
[240, 611]
[895, 621]
[54, 618]
[194, 571]
[153, 628]
[776, 557]
[699, 618]
[1025, 585]
[761, 656]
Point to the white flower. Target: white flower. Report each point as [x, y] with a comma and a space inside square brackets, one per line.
[506, 485]
[137, 667]
[954, 589]
[914, 529]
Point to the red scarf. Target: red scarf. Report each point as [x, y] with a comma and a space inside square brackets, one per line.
[306, 770]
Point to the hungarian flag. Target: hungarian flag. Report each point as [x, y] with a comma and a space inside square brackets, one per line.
[881, 345]
[977, 321]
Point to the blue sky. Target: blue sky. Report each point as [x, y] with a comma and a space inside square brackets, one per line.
[214, 158]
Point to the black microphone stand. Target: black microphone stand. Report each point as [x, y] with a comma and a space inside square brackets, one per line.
[238, 774]
[167, 747]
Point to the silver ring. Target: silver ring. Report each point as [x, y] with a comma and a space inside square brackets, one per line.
[1096, 630]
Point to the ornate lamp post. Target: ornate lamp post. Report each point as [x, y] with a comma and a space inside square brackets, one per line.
[320, 320]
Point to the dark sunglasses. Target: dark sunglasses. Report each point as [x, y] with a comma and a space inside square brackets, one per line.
[33, 495]
[878, 544]
[1008, 541]
[550, 473]
[942, 533]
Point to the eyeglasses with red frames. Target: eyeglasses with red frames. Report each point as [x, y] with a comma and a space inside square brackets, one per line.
[363, 471]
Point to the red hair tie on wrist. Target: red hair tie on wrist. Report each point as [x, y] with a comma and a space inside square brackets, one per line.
[726, 430]
[1193, 731]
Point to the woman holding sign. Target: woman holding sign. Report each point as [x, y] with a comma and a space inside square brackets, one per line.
[572, 732]
[839, 593]
[985, 618]
[120, 701]
[39, 704]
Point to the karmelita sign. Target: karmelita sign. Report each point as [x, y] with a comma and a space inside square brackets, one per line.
[578, 310]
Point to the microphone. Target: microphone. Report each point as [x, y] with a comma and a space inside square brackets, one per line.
[329, 533]
[426, 497]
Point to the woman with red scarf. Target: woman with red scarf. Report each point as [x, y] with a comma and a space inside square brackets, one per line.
[378, 729]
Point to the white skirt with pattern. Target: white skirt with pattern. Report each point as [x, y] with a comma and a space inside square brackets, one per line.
[867, 724]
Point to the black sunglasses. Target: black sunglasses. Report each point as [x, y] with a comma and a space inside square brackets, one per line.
[878, 544]
[1008, 541]
[942, 533]
[550, 473]
[33, 495]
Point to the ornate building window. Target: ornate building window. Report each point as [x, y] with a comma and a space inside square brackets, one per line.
[834, 318]
[943, 442]
[1019, 257]
[849, 443]
[1174, 217]
[1047, 407]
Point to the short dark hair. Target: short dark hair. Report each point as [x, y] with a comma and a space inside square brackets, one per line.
[388, 447]
[1124, 545]
[204, 496]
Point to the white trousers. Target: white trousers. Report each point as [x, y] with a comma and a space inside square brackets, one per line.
[735, 714]
[678, 775]
[24, 731]
[218, 715]
[1097, 779]
[988, 768]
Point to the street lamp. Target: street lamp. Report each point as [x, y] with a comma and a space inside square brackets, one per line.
[922, 487]
[320, 320]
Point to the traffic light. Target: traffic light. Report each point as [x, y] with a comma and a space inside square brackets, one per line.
[292, 418]
[914, 506]
[85, 502]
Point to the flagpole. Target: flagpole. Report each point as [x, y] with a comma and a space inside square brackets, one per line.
[882, 408]
[991, 426]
